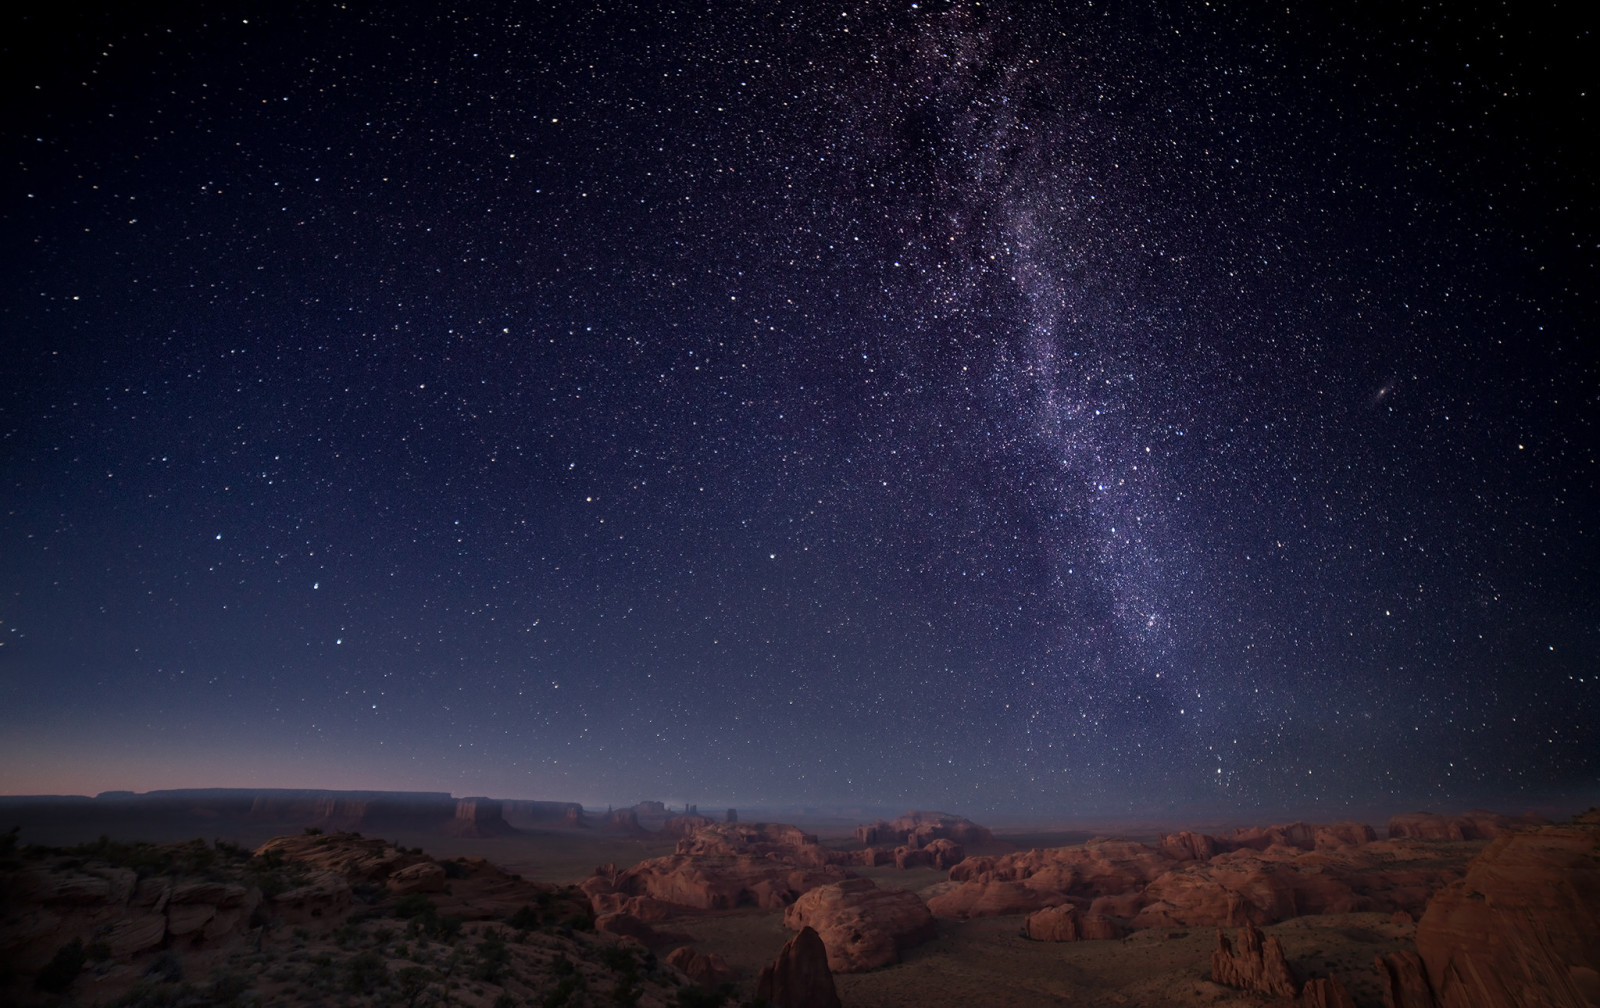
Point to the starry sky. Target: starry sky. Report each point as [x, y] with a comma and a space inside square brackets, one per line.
[1118, 409]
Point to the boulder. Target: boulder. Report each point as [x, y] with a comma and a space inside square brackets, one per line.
[324, 895]
[799, 977]
[1067, 924]
[707, 971]
[427, 877]
[862, 927]
[1257, 965]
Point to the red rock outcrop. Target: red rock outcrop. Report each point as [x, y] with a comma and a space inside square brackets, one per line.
[707, 971]
[709, 882]
[1404, 980]
[994, 898]
[357, 858]
[862, 926]
[1332, 836]
[1257, 965]
[1523, 926]
[1325, 992]
[799, 977]
[917, 829]
[622, 820]
[478, 817]
[684, 825]
[1474, 825]
[1187, 846]
[1296, 834]
[1230, 891]
[774, 841]
[427, 877]
[1067, 924]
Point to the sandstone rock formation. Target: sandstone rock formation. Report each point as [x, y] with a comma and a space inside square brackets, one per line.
[1325, 992]
[1474, 825]
[862, 926]
[992, 898]
[684, 825]
[1256, 965]
[1067, 924]
[357, 858]
[1523, 925]
[1404, 980]
[774, 841]
[1187, 846]
[707, 971]
[916, 829]
[711, 882]
[543, 815]
[799, 977]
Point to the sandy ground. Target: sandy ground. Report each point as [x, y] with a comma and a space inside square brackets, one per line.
[984, 962]
[988, 962]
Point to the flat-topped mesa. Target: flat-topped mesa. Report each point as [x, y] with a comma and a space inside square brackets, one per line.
[545, 814]
[916, 829]
[478, 817]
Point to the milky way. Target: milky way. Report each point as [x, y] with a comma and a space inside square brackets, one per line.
[1165, 412]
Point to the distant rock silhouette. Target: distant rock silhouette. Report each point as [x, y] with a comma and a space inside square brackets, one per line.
[916, 829]
[1474, 825]
[799, 977]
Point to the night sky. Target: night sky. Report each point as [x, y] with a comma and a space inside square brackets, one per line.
[1146, 409]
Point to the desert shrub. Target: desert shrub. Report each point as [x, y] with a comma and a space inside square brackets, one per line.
[62, 969]
[413, 982]
[454, 869]
[505, 1001]
[415, 905]
[97, 951]
[694, 997]
[227, 988]
[365, 972]
[525, 919]
[619, 958]
[148, 993]
[313, 831]
[493, 957]
[626, 992]
[563, 992]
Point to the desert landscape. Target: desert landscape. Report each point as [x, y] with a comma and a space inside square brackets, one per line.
[495, 904]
